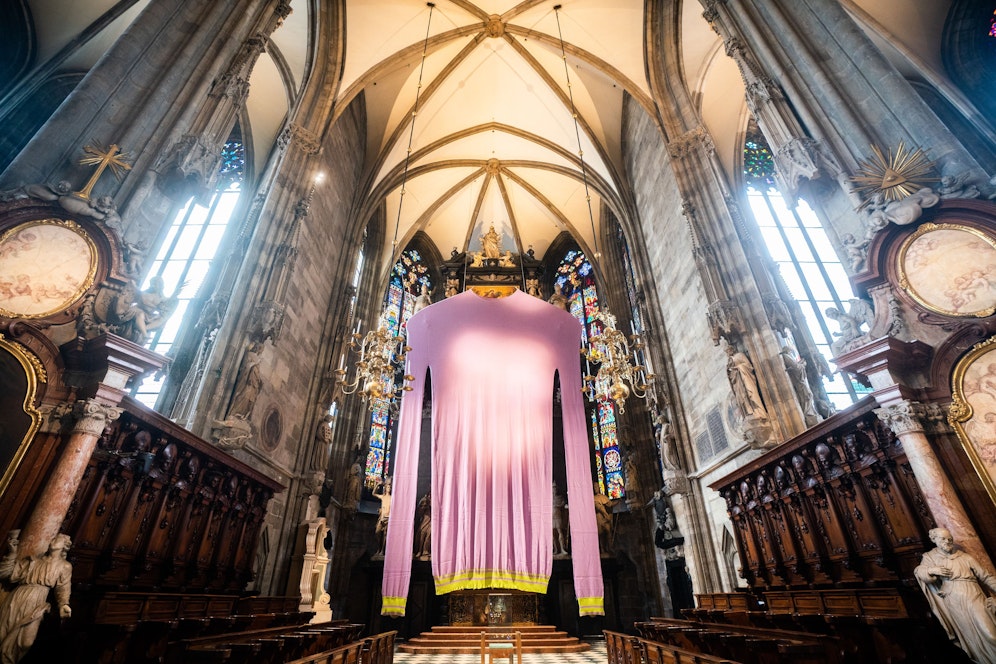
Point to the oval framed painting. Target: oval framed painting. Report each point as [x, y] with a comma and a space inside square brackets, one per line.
[973, 409]
[45, 266]
[950, 269]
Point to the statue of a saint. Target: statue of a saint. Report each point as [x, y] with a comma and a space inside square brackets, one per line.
[951, 581]
[603, 519]
[22, 610]
[248, 383]
[323, 443]
[423, 300]
[383, 494]
[423, 536]
[560, 522]
[354, 487]
[795, 367]
[744, 384]
[558, 299]
[135, 318]
[491, 244]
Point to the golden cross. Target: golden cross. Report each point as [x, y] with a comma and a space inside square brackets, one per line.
[111, 157]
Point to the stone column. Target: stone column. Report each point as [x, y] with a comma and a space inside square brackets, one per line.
[53, 503]
[906, 419]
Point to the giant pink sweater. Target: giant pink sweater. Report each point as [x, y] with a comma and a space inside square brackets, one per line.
[492, 363]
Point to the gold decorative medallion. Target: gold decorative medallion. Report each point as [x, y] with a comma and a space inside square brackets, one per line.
[895, 176]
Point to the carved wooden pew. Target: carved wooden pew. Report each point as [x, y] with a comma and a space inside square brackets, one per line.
[261, 646]
[622, 648]
[750, 645]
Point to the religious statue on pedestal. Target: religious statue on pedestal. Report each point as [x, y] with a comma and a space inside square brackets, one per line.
[383, 494]
[951, 581]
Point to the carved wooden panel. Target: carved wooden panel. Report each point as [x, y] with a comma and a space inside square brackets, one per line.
[160, 508]
[837, 504]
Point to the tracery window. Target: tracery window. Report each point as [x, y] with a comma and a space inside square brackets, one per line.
[408, 276]
[188, 249]
[577, 282]
[800, 247]
[992, 25]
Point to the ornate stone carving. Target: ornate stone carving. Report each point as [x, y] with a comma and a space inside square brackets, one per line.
[936, 419]
[675, 482]
[691, 141]
[856, 250]
[851, 335]
[725, 321]
[101, 208]
[801, 159]
[778, 314]
[233, 433]
[302, 138]
[903, 212]
[494, 27]
[267, 320]
[761, 91]
[903, 417]
[92, 417]
[188, 168]
[958, 186]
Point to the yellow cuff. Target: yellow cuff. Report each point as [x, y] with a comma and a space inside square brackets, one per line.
[393, 606]
[591, 606]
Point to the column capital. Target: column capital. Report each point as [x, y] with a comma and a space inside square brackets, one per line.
[93, 417]
[903, 417]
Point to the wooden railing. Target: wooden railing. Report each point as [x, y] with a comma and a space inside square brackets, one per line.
[836, 505]
[160, 508]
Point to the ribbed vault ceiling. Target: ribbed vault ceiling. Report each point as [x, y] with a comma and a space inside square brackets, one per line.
[494, 139]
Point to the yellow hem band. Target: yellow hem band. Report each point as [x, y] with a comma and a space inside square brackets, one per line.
[591, 606]
[393, 606]
[477, 579]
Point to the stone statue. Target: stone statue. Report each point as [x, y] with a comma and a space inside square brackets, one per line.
[135, 318]
[951, 581]
[533, 287]
[557, 299]
[664, 432]
[248, 383]
[452, 286]
[743, 381]
[423, 536]
[323, 443]
[957, 186]
[22, 610]
[859, 313]
[491, 244]
[560, 524]
[603, 518]
[354, 487]
[795, 367]
[423, 300]
[383, 494]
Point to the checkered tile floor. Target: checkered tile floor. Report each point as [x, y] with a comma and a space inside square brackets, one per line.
[596, 655]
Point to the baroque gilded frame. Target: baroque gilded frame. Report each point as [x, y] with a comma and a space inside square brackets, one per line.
[35, 374]
[961, 411]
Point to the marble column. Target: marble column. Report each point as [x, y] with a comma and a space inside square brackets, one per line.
[906, 419]
[53, 503]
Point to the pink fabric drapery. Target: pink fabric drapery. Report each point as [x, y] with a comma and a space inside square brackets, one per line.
[492, 363]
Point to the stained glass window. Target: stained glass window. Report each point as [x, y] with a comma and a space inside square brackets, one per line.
[186, 253]
[992, 25]
[801, 248]
[408, 276]
[577, 282]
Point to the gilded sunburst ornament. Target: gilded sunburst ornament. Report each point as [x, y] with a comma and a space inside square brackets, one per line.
[895, 176]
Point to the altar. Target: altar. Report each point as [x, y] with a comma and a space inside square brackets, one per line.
[493, 607]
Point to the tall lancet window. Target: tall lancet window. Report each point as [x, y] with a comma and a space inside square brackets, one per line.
[192, 242]
[799, 246]
[577, 282]
[408, 276]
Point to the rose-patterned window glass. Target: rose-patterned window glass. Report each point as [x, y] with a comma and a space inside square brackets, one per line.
[185, 256]
[992, 25]
[577, 282]
[408, 276]
[798, 244]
